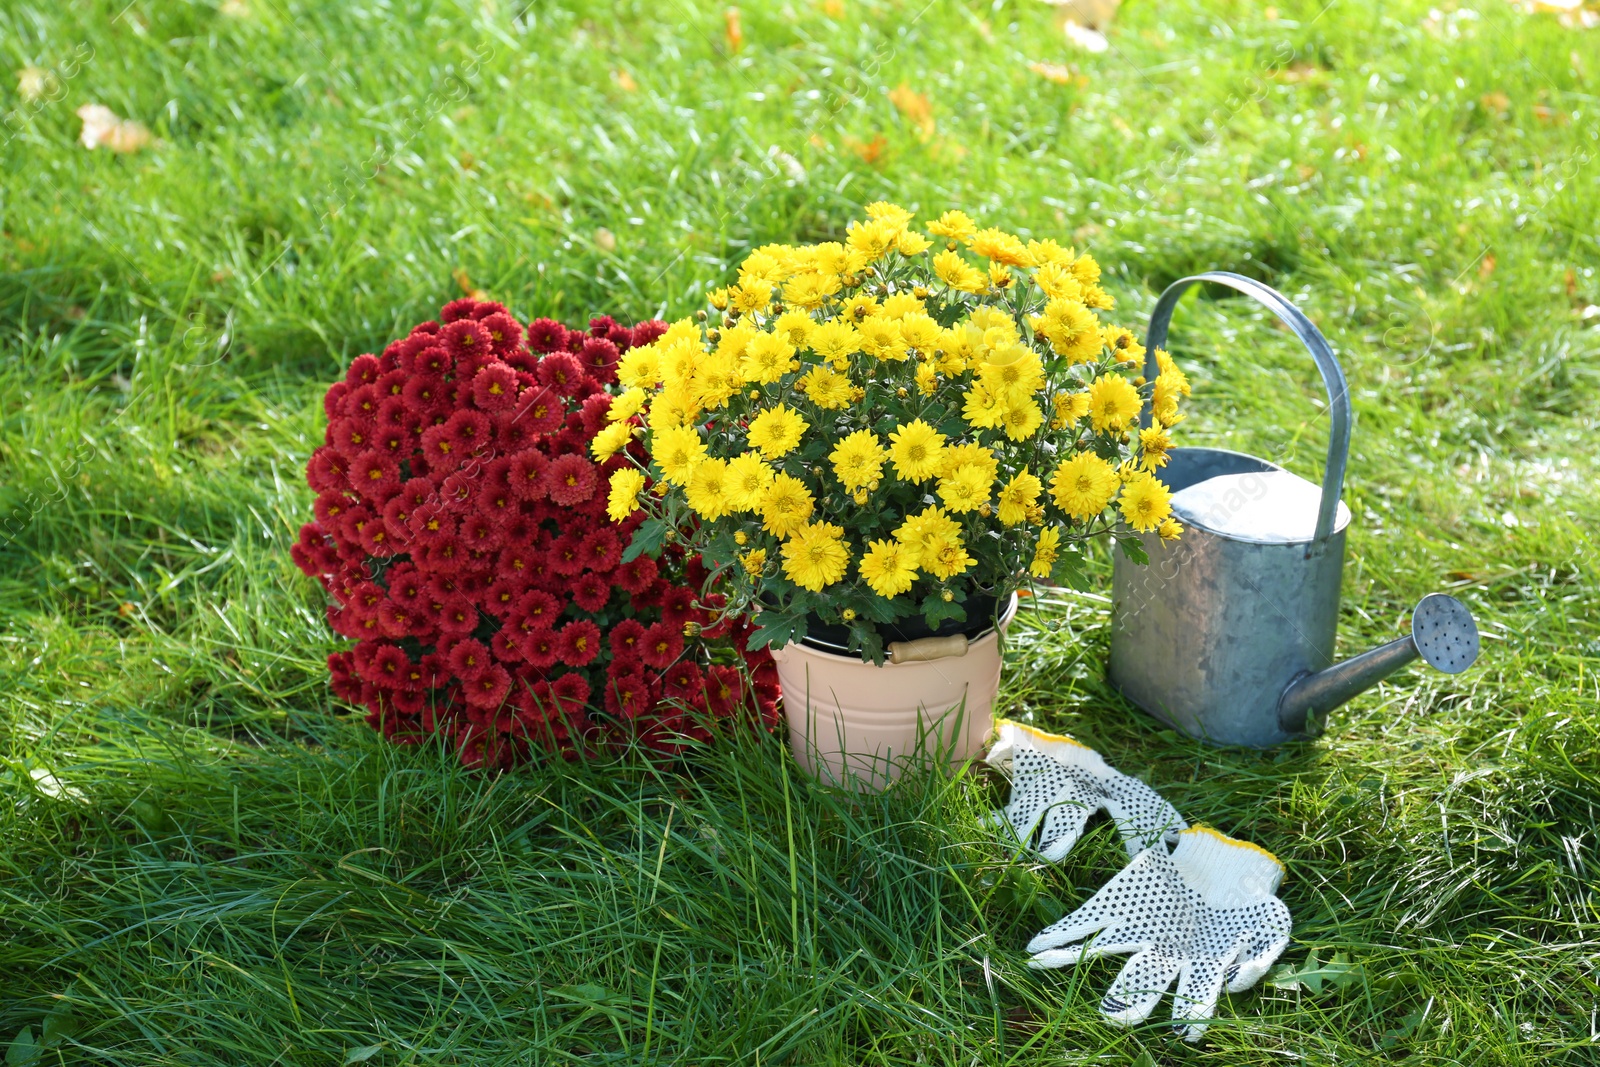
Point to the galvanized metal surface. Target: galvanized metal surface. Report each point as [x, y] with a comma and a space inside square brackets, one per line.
[1230, 639]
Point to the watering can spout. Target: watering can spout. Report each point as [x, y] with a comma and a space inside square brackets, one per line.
[1442, 633]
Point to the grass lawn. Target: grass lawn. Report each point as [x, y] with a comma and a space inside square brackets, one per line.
[203, 860]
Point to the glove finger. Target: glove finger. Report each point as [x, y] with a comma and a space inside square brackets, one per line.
[1267, 939]
[1195, 1001]
[1063, 825]
[1142, 816]
[1139, 987]
[1090, 919]
[1100, 946]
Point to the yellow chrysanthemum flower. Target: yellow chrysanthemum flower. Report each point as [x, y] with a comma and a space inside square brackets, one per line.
[911, 243]
[956, 225]
[825, 388]
[1153, 446]
[1056, 280]
[966, 488]
[836, 342]
[916, 449]
[831, 257]
[1069, 408]
[676, 450]
[610, 440]
[1086, 270]
[754, 562]
[872, 238]
[1071, 329]
[957, 273]
[1164, 400]
[718, 298]
[749, 478]
[926, 527]
[760, 266]
[786, 505]
[858, 307]
[1168, 368]
[1170, 529]
[900, 305]
[736, 338]
[816, 556]
[1113, 403]
[753, 296]
[946, 557]
[766, 358]
[1083, 485]
[970, 454]
[810, 291]
[1049, 253]
[1022, 419]
[794, 327]
[889, 568]
[1145, 502]
[707, 491]
[982, 407]
[640, 367]
[893, 214]
[716, 378]
[623, 498]
[1046, 552]
[920, 332]
[1012, 371]
[927, 379]
[880, 338]
[1001, 247]
[777, 431]
[626, 404]
[1123, 344]
[1018, 498]
[858, 460]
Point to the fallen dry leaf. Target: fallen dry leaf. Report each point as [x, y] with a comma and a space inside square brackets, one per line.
[1549, 116]
[917, 109]
[1486, 265]
[101, 126]
[869, 151]
[1571, 283]
[464, 281]
[605, 240]
[624, 81]
[34, 83]
[733, 29]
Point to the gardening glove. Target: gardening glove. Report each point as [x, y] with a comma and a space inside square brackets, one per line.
[1204, 914]
[1057, 783]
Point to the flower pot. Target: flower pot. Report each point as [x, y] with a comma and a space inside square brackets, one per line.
[859, 725]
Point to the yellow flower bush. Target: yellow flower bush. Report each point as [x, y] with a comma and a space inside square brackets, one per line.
[897, 424]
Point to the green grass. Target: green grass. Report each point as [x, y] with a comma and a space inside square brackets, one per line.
[239, 873]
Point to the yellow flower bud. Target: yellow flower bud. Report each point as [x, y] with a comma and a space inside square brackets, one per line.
[691, 629]
[947, 596]
[849, 614]
[739, 537]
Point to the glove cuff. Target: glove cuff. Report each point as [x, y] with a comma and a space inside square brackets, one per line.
[1227, 872]
[1011, 736]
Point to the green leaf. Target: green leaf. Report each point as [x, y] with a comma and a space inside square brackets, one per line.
[1144, 1059]
[362, 1054]
[1133, 548]
[23, 1049]
[1313, 977]
[1068, 572]
[648, 538]
[776, 629]
[59, 1025]
[935, 610]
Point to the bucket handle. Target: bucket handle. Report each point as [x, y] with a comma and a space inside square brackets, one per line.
[1303, 328]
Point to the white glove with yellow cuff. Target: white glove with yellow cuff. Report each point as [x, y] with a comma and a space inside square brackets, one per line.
[1057, 783]
[1206, 914]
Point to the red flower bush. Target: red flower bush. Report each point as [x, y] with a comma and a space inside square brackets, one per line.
[460, 529]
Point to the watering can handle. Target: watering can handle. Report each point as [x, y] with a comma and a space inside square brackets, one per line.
[1316, 344]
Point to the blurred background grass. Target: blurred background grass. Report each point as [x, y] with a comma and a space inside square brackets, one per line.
[204, 861]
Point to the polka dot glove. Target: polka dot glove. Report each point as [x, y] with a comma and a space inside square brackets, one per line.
[1057, 783]
[1206, 915]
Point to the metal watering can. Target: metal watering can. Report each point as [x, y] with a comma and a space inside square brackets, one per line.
[1229, 636]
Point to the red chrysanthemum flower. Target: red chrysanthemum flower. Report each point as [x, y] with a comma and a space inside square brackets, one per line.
[460, 529]
[570, 480]
[562, 372]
